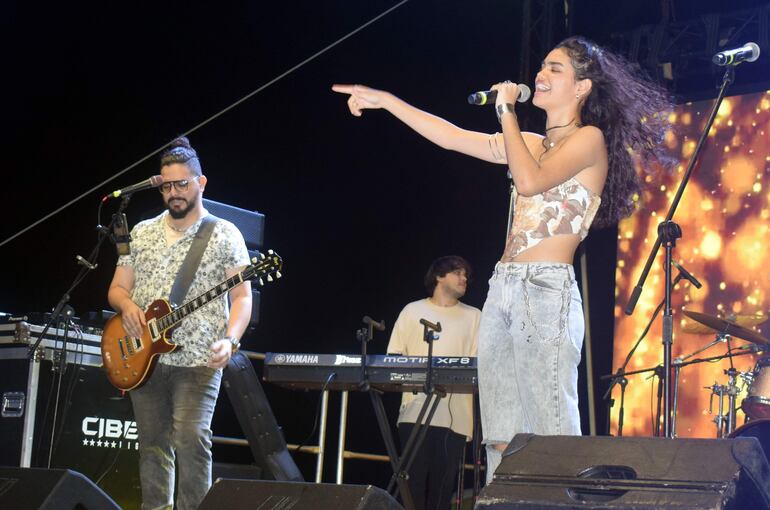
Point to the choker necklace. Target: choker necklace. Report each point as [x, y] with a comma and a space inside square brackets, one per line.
[549, 144]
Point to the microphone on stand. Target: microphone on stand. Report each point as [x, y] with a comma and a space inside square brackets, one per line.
[484, 97]
[749, 52]
[435, 327]
[379, 326]
[85, 263]
[687, 275]
[152, 182]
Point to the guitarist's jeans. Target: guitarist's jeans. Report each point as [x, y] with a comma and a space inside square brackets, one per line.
[173, 411]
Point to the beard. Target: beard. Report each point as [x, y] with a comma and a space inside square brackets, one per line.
[178, 214]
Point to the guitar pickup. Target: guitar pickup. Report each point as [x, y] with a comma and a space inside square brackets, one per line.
[152, 325]
[129, 345]
[137, 344]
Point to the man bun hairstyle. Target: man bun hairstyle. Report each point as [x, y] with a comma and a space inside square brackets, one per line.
[443, 265]
[180, 151]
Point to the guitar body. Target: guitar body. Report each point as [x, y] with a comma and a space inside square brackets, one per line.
[129, 361]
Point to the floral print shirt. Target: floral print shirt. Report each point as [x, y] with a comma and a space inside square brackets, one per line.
[155, 267]
[568, 208]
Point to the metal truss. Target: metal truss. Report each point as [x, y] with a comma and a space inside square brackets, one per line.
[543, 24]
[682, 51]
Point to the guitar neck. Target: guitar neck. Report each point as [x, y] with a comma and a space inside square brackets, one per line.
[172, 319]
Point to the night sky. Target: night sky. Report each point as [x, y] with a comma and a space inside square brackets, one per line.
[357, 208]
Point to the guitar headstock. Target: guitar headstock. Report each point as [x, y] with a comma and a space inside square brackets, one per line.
[265, 266]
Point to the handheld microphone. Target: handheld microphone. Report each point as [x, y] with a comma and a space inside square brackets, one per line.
[152, 182]
[749, 52]
[687, 275]
[484, 97]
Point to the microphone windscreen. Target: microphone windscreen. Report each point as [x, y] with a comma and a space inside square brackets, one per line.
[754, 51]
[524, 93]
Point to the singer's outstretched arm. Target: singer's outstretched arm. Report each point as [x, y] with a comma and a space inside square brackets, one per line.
[439, 131]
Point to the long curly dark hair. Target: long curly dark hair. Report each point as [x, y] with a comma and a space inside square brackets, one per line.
[631, 111]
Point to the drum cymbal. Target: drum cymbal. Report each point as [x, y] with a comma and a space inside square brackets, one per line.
[696, 328]
[725, 327]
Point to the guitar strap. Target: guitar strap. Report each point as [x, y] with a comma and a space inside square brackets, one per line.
[192, 260]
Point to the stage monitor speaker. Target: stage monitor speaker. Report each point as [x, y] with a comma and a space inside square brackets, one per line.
[639, 473]
[270, 495]
[50, 489]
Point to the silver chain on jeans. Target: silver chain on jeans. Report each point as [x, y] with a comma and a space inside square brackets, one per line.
[565, 302]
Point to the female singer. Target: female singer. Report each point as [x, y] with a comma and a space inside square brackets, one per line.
[602, 117]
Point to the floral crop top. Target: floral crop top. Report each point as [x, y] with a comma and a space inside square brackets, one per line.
[568, 208]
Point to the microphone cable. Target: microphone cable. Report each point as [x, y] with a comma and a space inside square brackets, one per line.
[317, 413]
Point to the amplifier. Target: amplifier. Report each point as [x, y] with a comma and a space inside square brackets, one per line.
[93, 423]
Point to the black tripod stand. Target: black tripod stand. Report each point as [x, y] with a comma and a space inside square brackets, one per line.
[401, 464]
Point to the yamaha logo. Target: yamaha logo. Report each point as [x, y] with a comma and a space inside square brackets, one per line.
[298, 359]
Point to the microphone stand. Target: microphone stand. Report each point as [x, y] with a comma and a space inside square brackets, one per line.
[427, 336]
[420, 429]
[66, 321]
[668, 233]
[400, 476]
[88, 264]
[65, 311]
[619, 377]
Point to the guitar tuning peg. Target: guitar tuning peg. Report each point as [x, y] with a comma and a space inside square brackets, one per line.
[269, 278]
[270, 252]
[261, 282]
[261, 256]
[253, 260]
[278, 274]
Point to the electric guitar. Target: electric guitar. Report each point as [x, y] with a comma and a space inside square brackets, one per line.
[129, 361]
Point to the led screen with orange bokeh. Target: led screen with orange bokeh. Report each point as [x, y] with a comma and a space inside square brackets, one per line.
[724, 215]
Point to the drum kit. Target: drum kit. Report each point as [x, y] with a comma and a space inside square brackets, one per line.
[755, 403]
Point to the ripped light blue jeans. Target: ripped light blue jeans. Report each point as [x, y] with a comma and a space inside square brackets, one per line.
[530, 340]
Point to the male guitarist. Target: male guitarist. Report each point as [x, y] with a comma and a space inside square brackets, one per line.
[174, 406]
